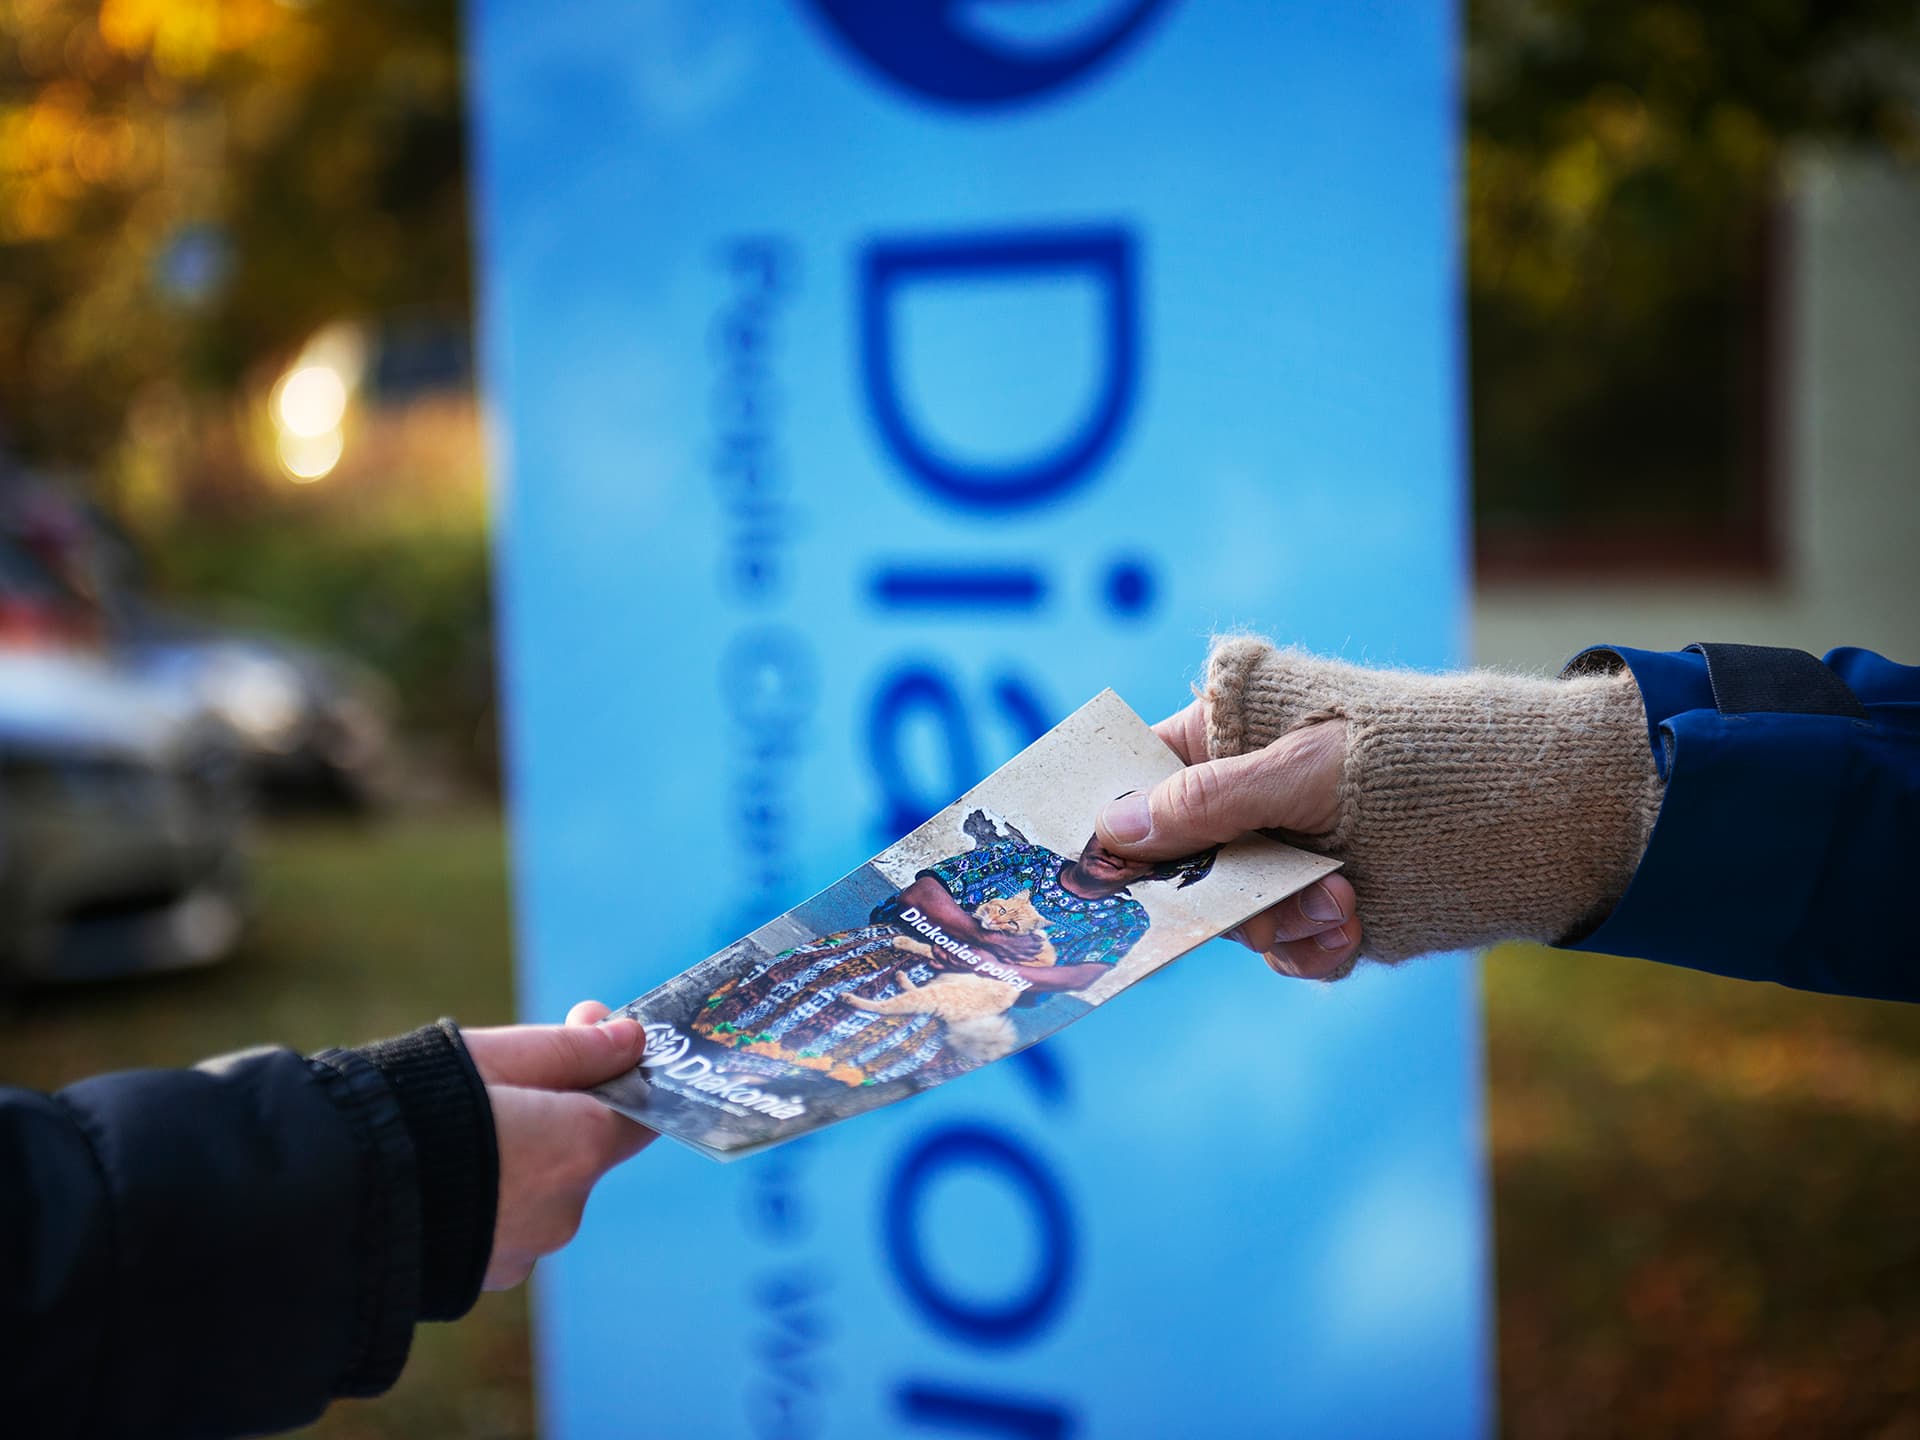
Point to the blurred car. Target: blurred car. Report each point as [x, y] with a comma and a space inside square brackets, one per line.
[36, 611]
[313, 728]
[121, 822]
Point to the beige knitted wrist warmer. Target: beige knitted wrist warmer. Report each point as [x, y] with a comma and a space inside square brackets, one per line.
[1473, 807]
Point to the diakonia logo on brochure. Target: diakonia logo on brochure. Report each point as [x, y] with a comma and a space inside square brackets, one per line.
[665, 1045]
[668, 1062]
[985, 54]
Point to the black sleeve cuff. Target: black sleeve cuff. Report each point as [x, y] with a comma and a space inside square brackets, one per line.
[447, 1115]
[386, 1229]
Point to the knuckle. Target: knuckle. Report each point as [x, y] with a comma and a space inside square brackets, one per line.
[1304, 765]
[1192, 797]
[1287, 761]
[1259, 934]
[576, 1045]
[559, 1048]
[1320, 966]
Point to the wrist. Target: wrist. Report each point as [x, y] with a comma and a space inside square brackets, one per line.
[1471, 807]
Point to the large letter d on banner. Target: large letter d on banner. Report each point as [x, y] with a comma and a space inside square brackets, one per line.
[1105, 256]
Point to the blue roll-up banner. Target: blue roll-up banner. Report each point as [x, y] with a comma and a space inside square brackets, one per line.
[874, 383]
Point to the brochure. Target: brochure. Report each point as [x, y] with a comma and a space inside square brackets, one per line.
[993, 925]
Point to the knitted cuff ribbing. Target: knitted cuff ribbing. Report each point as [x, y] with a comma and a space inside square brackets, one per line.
[1473, 807]
[387, 1229]
[450, 1120]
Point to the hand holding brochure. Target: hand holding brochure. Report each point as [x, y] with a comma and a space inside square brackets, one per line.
[996, 923]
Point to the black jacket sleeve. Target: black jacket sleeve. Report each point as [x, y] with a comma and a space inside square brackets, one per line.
[223, 1250]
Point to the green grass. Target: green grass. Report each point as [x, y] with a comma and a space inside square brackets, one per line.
[1707, 1193]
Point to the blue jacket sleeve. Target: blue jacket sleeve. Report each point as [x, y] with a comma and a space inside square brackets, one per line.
[1785, 837]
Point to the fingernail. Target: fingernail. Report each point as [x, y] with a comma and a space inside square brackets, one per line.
[1280, 965]
[1334, 939]
[1128, 819]
[1318, 904]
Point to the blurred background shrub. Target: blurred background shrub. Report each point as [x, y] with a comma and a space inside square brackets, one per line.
[1627, 169]
[234, 311]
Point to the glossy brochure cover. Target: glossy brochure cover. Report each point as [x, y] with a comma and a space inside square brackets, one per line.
[994, 924]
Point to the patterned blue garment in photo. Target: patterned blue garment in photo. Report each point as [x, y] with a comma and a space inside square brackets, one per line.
[1083, 932]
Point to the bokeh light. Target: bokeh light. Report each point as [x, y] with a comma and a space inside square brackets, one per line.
[307, 458]
[311, 401]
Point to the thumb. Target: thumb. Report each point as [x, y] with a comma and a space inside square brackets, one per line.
[1292, 784]
[556, 1057]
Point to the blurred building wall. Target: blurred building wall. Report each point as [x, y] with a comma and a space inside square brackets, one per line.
[1846, 437]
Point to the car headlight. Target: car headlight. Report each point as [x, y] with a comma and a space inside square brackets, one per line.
[261, 698]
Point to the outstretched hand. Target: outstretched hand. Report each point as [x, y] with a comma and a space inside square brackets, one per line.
[1291, 785]
[555, 1143]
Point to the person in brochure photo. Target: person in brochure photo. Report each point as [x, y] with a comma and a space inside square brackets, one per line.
[864, 1006]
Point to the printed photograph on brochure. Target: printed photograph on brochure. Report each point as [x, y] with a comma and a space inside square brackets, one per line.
[996, 923]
